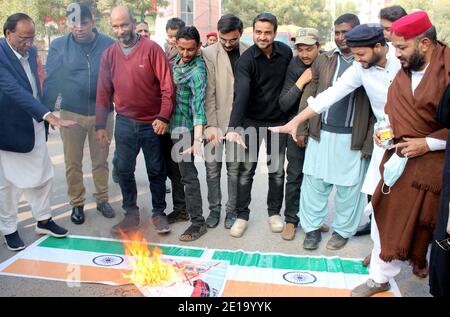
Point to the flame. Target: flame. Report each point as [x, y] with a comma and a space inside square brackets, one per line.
[148, 267]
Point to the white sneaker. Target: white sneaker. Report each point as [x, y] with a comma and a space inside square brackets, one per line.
[238, 228]
[276, 223]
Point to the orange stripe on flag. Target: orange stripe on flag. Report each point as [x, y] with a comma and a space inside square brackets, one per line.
[67, 272]
[249, 289]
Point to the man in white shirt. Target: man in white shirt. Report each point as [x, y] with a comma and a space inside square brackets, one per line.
[25, 166]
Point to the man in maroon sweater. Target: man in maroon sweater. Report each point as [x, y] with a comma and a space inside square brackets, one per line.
[136, 75]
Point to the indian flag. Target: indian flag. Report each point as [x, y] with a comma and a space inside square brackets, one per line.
[79, 259]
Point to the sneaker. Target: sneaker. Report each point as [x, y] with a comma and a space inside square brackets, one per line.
[177, 216]
[289, 232]
[276, 223]
[106, 210]
[336, 242]
[129, 223]
[230, 218]
[213, 219]
[14, 242]
[312, 240]
[51, 228]
[369, 288]
[238, 228]
[160, 222]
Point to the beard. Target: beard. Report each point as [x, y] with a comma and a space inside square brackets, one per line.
[374, 61]
[414, 62]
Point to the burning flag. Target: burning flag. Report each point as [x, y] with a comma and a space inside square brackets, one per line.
[148, 268]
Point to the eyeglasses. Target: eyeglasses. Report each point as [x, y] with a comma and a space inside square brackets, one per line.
[25, 39]
[231, 42]
[444, 244]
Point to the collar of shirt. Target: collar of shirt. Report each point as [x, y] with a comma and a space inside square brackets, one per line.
[259, 52]
[389, 56]
[18, 55]
[350, 58]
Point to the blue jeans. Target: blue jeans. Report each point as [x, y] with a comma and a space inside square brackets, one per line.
[132, 136]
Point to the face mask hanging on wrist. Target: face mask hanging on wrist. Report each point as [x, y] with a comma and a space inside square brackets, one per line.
[393, 169]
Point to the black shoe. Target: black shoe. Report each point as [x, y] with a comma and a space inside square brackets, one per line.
[168, 191]
[213, 219]
[364, 230]
[129, 223]
[160, 222]
[51, 228]
[230, 218]
[312, 240]
[14, 242]
[77, 216]
[106, 210]
[177, 216]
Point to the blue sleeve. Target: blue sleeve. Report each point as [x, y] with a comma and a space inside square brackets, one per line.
[22, 97]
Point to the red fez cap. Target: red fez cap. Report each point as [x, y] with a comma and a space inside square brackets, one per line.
[211, 34]
[412, 25]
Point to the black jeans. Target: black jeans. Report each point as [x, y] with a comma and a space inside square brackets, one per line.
[275, 161]
[189, 177]
[131, 137]
[294, 176]
[173, 172]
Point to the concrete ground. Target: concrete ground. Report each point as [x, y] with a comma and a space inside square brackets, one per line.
[258, 236]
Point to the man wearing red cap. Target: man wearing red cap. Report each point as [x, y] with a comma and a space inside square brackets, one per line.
[211, 38]
[406, 200]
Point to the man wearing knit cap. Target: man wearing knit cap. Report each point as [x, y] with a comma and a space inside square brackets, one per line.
[405, 214]
[374, 69]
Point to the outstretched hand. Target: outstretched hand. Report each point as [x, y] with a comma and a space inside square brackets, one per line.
[235, 138]
[288, 128]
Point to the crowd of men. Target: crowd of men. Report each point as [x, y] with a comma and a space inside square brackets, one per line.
[220, 101]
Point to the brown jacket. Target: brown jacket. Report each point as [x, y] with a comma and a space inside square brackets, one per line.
[220, 90]
[323, 70]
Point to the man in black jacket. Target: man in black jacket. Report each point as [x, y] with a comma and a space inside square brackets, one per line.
[71, 71]
[259, 78]
[297, 77]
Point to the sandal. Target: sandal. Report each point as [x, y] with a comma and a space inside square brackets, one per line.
[193, 233]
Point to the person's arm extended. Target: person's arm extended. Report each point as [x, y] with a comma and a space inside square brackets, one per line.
[347, 83]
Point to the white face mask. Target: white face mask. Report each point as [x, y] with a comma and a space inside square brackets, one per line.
[393, 169]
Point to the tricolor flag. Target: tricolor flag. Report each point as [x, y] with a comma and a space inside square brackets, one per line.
[208, 272]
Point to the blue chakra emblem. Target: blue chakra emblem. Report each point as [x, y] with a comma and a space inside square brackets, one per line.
[108, 260]
[301, 278]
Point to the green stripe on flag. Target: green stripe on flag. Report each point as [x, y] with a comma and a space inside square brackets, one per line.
[330, 265]
[109, 247]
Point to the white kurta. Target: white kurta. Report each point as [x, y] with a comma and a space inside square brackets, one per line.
[28, 170]
[376, 81]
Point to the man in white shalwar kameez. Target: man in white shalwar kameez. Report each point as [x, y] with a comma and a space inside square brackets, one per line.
[25, 166]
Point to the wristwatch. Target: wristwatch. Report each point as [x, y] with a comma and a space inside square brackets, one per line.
[199, 140]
